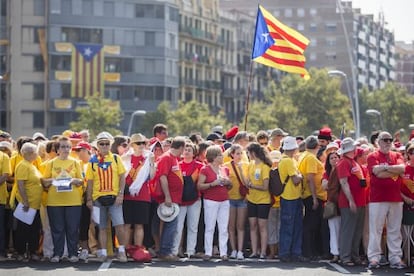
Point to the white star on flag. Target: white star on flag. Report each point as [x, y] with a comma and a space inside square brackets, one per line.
[265, 35]
[87, 52]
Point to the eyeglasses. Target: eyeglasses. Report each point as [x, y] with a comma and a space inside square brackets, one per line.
[410, 152]
[65, 147]
[387, 140]
[104, 144]
[140, 143]
[124, 145]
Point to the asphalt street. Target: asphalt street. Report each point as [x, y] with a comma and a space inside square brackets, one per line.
[191, 267]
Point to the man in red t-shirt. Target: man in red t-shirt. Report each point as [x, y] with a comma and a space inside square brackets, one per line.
[385, 168]
[171, 180]
[352, 203]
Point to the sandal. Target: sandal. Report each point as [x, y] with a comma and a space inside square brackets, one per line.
[348, 263]
[335, 259]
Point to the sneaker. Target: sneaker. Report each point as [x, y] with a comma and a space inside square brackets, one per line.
[169, 258]
[35, 257]
[262, 257]
[73, 259]
[45, 259]
[102, 258]
[240, 255]
[20, 257]
[253, 256]
[83, 255]
[373, 265]
[399, 265]
[383, 261]
[206, 258]
[122, 257]
[55, 259]
[233, 254]
[224, 258]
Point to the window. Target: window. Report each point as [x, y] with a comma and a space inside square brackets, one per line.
[129, 38]
[61, 63]
[149, 39]
[149, 11]
[313, 42]
[174, 15]
[108, 8]
[159, 93]
[330, 27]
[66, 93]
[38, 91]
[39, 7]
[149, 66]
[112, 65]
[288, 13]
[38, 119]
[172, 38]
[312, 56]
[67, 7]
[3, 8]
[127, 65]
[38, 64]
[159, 12]
[301, 12]
[313, 27]
[301, 27]
[57, 119]
[331, 55]
[313, 12]
[81, 35]
[87, 7]
[113, 93]
[331, 41]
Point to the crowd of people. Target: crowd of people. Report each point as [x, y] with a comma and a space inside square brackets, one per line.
[70, 197]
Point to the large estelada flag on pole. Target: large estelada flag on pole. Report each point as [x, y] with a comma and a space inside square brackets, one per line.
[277, 45]
[87, 70]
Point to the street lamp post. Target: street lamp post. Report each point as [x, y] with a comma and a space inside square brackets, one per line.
[374, 112]
[353, 97]
[135, 113]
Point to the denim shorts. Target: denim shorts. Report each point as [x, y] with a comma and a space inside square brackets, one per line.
[117, 215]
[238, 203]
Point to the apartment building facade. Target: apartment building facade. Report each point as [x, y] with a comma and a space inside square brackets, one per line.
[405, 65]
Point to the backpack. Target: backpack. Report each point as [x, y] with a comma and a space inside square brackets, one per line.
[276, 187]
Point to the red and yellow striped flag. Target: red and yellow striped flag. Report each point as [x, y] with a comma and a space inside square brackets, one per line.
[87, 70]
[279, 46]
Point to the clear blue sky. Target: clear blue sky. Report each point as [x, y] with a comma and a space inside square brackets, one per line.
[398, 14]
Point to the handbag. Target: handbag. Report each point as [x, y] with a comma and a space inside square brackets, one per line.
[107, 200]
[330, 210]
[190, 191]
[243, 190]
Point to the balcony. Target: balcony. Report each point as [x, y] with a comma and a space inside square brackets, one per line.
[197, 33]
[228, 93]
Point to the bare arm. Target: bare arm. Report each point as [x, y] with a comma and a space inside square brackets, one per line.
[310, 177]
[120, 196]
[202, 185]
[165, 190]
[22, 191]
[89, 188]
[387, 171]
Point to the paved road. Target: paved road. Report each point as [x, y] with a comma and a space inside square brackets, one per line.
[190, 268]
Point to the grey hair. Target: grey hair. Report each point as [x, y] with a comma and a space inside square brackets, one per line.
[311, 142]
[28, 148]
[382, 134]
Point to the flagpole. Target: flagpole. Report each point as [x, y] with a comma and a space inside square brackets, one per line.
[248, 95]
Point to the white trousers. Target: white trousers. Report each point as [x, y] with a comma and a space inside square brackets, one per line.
[193, 216]
[389, 213]
[216, 212]
[334, 227]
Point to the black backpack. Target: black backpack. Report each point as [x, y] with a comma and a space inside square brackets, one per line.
[276, 186]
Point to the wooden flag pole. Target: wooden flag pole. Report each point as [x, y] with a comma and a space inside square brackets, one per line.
[249, 86]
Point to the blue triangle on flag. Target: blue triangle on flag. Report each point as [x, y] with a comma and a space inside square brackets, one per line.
[88, 51]
[262, 38]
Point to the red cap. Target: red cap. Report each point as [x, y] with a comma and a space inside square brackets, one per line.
[153, 140]
[361, 150]
[75, 136]
[83, 145]
[232, 132]
[325, 133]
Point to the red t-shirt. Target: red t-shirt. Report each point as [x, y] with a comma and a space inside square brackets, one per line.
[216, 193]
[167, 165]
[385, 189]
[144, 193]
[193, 168]
[407, 187]
[350, 169]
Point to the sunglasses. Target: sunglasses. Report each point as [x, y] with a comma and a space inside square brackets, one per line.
[124, 145]
[140, 143]
[65, 147]
[104, 144]
[387, 140]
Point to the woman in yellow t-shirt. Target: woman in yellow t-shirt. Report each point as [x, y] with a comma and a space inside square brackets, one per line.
[63, 178]
[258, 198]
[29, 194]
[238, 205]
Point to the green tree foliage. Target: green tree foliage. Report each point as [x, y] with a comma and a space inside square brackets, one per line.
[395, 104]
[152, 118]
[301, 106]
[98, 115]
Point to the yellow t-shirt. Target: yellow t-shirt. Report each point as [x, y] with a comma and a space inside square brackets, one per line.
[4, 169]
[30, 174]
[105, 175]
[257, 173]
[234, 191]
[63, 169]
[289, 166]
[310, 164]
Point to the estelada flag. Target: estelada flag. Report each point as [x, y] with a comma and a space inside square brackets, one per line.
[87, 70]
[277, 45]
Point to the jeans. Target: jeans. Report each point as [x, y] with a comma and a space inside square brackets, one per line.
[64, 223]
[167, 237]
[216, 212]
[291, 227]
[193, 215]
[2, 230]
